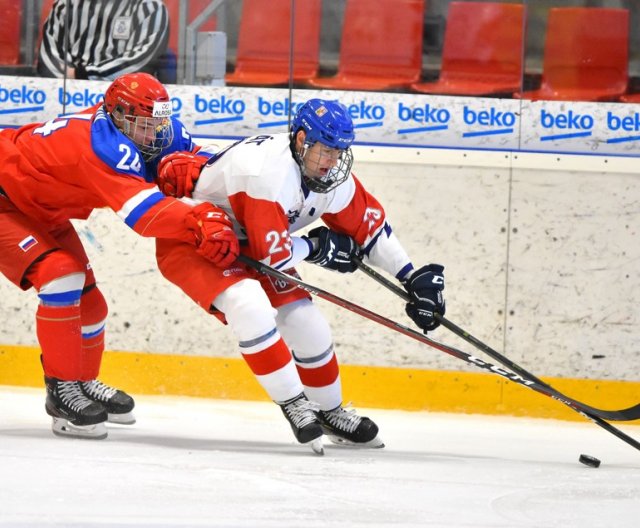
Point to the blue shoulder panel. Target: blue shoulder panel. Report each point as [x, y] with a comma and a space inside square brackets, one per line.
[114, 148]
[182, 140]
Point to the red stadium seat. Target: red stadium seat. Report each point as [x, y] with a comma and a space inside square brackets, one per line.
[263, 56]
[195, 7]
[586, 55]
[10, 24]
[483, 50]
[381, 46]
[630, 98]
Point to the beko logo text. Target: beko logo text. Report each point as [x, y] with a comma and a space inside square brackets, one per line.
[219, 106]
[627, 123]
[362, 110]
[568, 120]
[277, 108]
[490, 117]
[428, 114]
[84, 98]
[22, 95]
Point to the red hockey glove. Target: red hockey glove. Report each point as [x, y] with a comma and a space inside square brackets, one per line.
[214, 234]
[179, 172]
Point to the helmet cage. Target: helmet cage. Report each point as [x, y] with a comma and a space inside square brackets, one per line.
[141, 109]
[151, 135]
[336, 176]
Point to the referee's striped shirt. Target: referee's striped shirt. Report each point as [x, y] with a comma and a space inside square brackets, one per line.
[106, 39]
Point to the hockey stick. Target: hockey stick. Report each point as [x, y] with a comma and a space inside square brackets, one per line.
[586, 411]
[631, 413]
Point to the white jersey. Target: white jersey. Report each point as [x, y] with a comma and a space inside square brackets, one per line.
[258, 183]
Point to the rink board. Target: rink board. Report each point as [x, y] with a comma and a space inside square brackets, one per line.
[378, 387]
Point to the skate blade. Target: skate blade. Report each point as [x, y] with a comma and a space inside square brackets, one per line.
[122, 419]
[316, 446]
[62, 427]
[376, 443]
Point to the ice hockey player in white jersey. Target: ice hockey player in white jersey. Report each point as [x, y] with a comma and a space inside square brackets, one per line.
[273, 186]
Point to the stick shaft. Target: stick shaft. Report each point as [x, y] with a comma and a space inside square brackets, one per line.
[629, 414]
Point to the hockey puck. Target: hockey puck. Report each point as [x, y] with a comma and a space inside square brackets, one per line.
[590, 461]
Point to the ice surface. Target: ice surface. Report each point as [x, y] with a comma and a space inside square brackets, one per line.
[195, 463]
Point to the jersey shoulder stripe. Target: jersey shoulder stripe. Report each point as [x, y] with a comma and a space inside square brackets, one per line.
[182, 139]
[134, 208]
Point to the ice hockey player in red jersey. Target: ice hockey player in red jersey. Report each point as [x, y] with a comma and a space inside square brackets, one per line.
[52, 172]
[273, 186]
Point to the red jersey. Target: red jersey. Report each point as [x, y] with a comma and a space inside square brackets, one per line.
[66, 167]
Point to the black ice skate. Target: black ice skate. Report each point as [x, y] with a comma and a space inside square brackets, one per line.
[74, 414]
[305, 425]
[117, 403]
[345, 427]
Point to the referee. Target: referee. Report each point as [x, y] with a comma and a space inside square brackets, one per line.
[106, 38]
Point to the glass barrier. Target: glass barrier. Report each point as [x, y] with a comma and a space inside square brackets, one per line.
[551, 50]
[486, 80]
[580, 50]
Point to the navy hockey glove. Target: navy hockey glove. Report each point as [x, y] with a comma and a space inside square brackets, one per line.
[425, 293]
[333, 251]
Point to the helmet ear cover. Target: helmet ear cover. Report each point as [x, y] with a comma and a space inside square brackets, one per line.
[118, 113]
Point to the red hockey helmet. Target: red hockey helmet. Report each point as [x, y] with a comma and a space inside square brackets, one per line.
[140, 107]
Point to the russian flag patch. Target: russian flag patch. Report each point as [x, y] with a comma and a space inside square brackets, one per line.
[27, 243]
